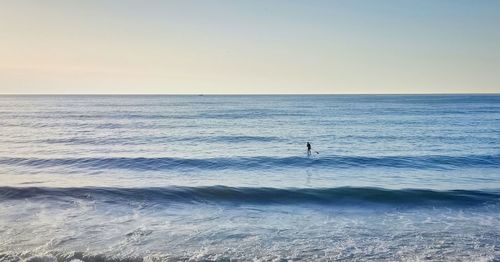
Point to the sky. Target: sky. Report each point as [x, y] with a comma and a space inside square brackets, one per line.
[249, 47]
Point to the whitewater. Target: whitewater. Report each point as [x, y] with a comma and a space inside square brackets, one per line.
[227, 178]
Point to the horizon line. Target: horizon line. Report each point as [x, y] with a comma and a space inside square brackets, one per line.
[234, 94]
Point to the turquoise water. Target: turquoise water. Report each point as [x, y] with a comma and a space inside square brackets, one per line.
[228, 178]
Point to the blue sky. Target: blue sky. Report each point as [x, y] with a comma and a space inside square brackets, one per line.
[169, 47]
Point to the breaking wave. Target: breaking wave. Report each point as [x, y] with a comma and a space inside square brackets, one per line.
[259, 195]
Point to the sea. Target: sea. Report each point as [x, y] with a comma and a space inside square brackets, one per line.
[228, 178]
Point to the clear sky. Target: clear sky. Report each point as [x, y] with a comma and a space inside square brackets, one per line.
[259, 46]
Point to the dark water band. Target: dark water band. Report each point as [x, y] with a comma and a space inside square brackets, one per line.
[259, 195]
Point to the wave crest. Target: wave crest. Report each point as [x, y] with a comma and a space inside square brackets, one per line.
[259, 195]
[169, 163]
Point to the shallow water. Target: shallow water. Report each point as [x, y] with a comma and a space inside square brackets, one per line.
[138, 178]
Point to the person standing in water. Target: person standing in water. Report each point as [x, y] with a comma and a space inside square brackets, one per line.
[308, 148]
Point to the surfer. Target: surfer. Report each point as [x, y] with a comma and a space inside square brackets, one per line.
[308, 149]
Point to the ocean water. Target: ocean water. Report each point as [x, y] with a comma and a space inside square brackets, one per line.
[227, 178]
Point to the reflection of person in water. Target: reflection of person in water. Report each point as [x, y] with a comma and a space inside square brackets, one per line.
[308, 149]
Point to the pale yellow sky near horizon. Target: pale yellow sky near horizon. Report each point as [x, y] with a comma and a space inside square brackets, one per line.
[232, 47]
